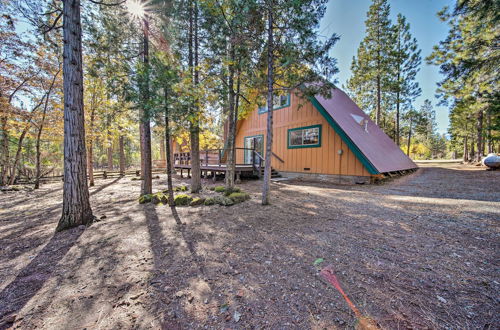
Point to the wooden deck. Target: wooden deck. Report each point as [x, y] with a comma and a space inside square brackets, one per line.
[213, 162]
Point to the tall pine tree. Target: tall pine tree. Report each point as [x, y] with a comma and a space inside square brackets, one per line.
[371, 68]
[405, 59]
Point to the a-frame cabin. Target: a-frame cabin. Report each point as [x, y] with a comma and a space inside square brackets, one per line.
[328, 139]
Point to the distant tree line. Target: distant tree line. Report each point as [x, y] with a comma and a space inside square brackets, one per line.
[469, 59]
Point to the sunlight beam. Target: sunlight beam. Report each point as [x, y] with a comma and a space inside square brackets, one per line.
[135, 8]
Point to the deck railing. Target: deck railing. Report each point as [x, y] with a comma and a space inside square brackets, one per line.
[218, 157]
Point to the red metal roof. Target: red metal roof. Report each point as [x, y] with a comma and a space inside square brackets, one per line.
[372, 142]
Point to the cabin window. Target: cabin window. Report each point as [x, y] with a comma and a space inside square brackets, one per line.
[279, 101]
[304, 137]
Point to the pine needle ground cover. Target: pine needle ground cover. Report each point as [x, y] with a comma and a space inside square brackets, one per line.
[416, 252]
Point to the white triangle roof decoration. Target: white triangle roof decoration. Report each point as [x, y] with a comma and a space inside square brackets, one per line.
[357, 119]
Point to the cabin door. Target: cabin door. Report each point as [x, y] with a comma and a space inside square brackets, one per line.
[255, 143]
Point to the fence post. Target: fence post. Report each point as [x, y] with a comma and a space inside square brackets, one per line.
[104, 175]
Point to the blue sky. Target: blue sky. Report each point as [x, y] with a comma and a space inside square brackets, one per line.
[347, 17]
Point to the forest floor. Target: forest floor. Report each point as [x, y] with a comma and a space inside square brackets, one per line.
[421, 251]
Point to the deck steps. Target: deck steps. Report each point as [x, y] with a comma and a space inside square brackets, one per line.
[274, 173]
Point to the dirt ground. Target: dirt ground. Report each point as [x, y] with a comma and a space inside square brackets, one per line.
[421, 251]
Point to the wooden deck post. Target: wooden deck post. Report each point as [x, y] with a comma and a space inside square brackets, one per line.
[238, 178]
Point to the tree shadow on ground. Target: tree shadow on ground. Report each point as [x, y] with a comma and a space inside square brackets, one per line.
[32, 277]
[104, 186]
[172, 277]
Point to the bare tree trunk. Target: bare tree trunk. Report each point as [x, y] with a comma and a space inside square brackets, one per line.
[25, 131]
[18, 153]
[38, 173]
[146, 171]
[270, 90]
[122, 155]
[480, 147]
[76, 205]
[38, 168]
[195, 124]
[5, 150]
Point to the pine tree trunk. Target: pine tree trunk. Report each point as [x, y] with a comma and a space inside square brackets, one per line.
[480, 147]
[466, 151]
[163, 157]
[397, 119]
[488, 123]
[76, 205]
[270, 91]
[379, 111]
[110, 157]
[472, 153]
[168, 148]
[195, 124]
[146, 171]
[90, 148]
[90, 162]
[141, 139]
[122, 155]
[409, 139]
[231, 125]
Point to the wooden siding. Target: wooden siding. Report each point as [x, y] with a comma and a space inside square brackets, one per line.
[322, 160]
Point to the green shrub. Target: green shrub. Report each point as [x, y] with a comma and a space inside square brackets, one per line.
[229, 191]
[220, 189]
[212, 188]
[145, 199]
[238, 197]
[182, 200]
[210, 201]
[197, 201]
[181, 188]
[159, 198]
[221, 200]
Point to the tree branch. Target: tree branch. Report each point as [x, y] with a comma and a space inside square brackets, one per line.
[108, 4]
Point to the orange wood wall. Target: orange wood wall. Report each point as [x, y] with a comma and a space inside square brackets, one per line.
[321, 160]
